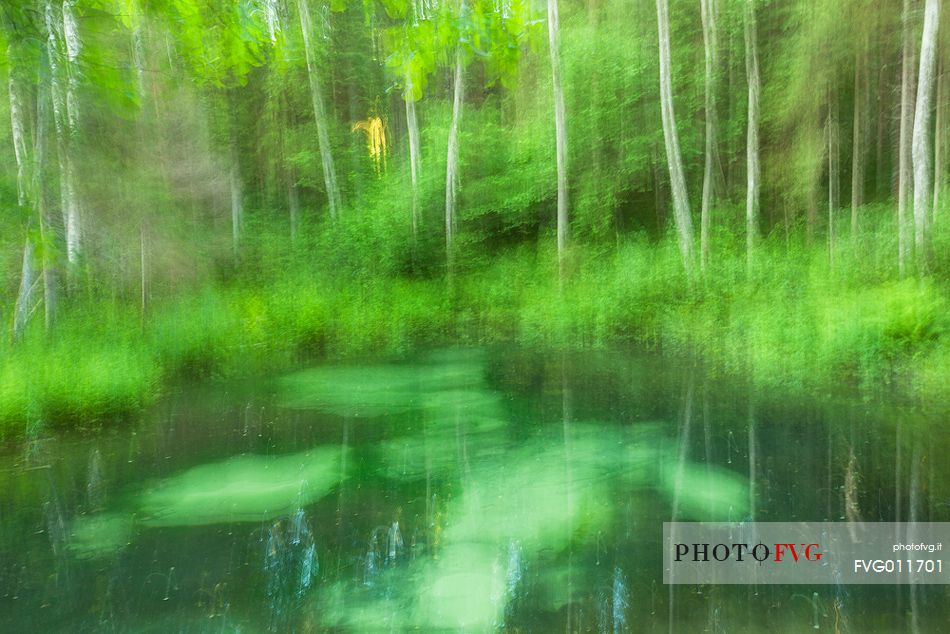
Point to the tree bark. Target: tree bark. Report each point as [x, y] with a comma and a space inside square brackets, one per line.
[138, 49]
[883, 128]
[752, 133]
[62, 52]
[143, 275]
[857, 145]
[71, 198]
[293, 202]
[709, 10]
[24, 299]
[22, 307]
[921, 141]
[597, 141]
[237, 204]
[39, 202]
[334, 199]
[904, 150]
[560, 126]
[834, 198]
[681, 214]
[412, 125]
[451, 164]
[30, 168]
[21, 150]
[940, 143]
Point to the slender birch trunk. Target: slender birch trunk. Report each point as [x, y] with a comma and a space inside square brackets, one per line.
[24, 299]
[752, 133]
[709, 10]
[237, 204]
[882, 126]
[71, 201]
[143, 274]
[63, 46]
[834, 200]
[39, 202]
[30, 162]
[289, 173]
[811, 212]
[293, 202]
[904, 150]
[20, 147]
[857, 146]
[138, 49]
[334, 198]
[595, 98]
[940, 143]
[412, 124]
[732, 111]
[921, 141]
[560, 127]
[71, 211]
[451, 164]
[681, 214]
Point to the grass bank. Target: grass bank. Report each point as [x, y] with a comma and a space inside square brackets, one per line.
[796, 318]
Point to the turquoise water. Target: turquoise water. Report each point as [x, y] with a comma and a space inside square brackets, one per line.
[461, 490]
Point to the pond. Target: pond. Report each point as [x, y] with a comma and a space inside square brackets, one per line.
[459, 490]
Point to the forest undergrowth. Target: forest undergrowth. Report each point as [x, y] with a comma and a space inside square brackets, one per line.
[794, 319]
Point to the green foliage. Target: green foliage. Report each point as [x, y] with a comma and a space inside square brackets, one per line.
[791, 322]
[190, 110]
[87, 375]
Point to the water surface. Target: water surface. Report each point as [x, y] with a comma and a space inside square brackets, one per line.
[460, 490]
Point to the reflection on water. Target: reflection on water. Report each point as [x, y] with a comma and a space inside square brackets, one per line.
[290, 566]
[461, 491]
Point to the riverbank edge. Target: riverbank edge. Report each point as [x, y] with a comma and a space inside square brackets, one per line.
[791, 323]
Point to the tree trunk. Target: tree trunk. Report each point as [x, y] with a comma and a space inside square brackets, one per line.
[921, 141]
[30, 195]
[24, 299]
[681, 214]
[323, 136]
[21, 150]
[412, 125]
[752, 134]
[138, 49]
[143, 275]
[857, 146]
[289, 173]
[834, 199]
[451, 164]
[62, 51]
[237, 204]
[71, 211]
[39, 202]
[597, 141]
[882, 128]
[71, 198]
[293, 202]
[940, 144]
[732, 110]
[560, 125]
[709, 12]
[904, 151]
[22, 307]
